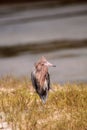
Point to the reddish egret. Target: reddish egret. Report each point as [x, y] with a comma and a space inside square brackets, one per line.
[41, 78]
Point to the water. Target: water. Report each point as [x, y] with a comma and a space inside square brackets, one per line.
[71, 65]
[35, 25]
[17, 27]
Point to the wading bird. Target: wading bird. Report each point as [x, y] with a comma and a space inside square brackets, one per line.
[41, 79]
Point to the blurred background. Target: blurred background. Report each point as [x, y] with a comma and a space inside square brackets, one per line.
[55, 29]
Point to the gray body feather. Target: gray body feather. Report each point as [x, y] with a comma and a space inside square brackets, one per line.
[42, 91]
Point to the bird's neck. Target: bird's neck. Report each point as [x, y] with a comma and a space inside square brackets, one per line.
[41, 75]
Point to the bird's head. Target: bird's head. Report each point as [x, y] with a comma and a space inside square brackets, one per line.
[43, 63]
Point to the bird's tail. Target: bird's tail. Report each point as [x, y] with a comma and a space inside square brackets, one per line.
[44, 96]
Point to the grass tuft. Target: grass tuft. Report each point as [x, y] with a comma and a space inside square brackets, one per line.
[22, 109]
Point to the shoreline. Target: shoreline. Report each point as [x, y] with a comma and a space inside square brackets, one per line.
[41, 4]
[47, 46]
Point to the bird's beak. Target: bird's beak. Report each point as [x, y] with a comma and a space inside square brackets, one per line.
[49, 64]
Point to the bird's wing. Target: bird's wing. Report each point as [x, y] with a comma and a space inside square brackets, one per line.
[33, 79]
[48, 80]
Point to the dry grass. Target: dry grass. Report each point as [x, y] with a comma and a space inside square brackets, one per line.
[20, 106]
